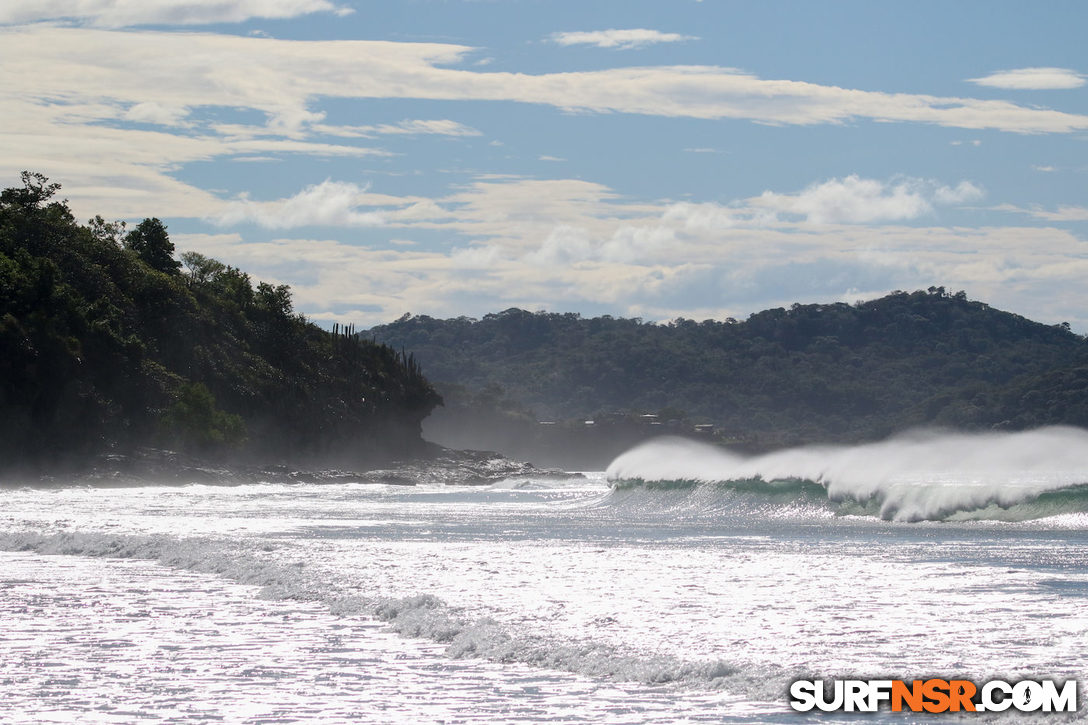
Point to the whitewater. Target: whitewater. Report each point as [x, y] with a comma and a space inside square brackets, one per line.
[683, 584]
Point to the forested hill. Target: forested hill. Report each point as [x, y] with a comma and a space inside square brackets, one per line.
[108, 344]
[818, 372]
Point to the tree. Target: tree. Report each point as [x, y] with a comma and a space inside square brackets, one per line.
[106, 346]
[202, 270]
[197, 422]
[152, 244]
[104, 231]
[36, 191]
[274, 299]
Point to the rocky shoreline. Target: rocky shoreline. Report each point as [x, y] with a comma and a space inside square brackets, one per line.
[151, 466]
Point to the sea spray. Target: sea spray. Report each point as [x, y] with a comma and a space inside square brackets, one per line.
[701, 609]
[913, 477]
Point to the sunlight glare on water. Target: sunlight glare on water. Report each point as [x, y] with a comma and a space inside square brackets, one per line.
[527, 601]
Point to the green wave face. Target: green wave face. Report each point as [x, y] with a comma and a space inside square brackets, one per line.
[1007, 477]
[802, 494]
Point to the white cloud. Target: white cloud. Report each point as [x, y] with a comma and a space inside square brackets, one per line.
[961, 193]
[564, 245]
[330, 203]
[283, 78]
[66, 90]
[483, 257]
[418, 211]
[333, 203]
[569, 244]
[1033, 271]
[551, 242]
[566, 221]
[704, 216]
[156, 113]
[569, 221]
[850, 200]
[1064, 213]
[409, 127]
[1032, 79]
[123, 13]
[619, 39]
[440, 127]
[853, 200]
[634, 244]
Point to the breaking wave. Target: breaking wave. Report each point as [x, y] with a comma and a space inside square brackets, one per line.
[923, 476]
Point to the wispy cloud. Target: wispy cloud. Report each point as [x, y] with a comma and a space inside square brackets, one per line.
[303, 123]
[1064, 213]
[124, 13]
[440, 127]
[71, 95]
[283, 79]
[1032, 79]
[616, 39]
[409, 127]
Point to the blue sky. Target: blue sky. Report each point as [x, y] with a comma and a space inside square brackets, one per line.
[654, 159]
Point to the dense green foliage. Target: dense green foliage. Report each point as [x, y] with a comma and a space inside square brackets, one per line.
[822, 372]
[106, 344]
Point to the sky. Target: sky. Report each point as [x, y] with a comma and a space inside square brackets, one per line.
[649, 158]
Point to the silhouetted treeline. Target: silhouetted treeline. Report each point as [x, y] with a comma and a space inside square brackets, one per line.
[818, 372]
[108, 343]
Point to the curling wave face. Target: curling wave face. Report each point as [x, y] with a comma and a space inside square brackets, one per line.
[915, 477]
[681, 617]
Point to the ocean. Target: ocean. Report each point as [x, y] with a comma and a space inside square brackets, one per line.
[682, 585]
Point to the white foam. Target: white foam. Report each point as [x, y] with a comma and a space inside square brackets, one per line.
[911, 477]
[420, 616]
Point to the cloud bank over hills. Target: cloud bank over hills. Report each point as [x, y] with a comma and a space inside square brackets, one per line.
[449, 167]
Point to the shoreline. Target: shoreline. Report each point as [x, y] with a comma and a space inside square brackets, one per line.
[163, 467]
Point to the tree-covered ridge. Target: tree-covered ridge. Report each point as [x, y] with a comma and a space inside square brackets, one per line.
[108, 343]
[818, 372]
